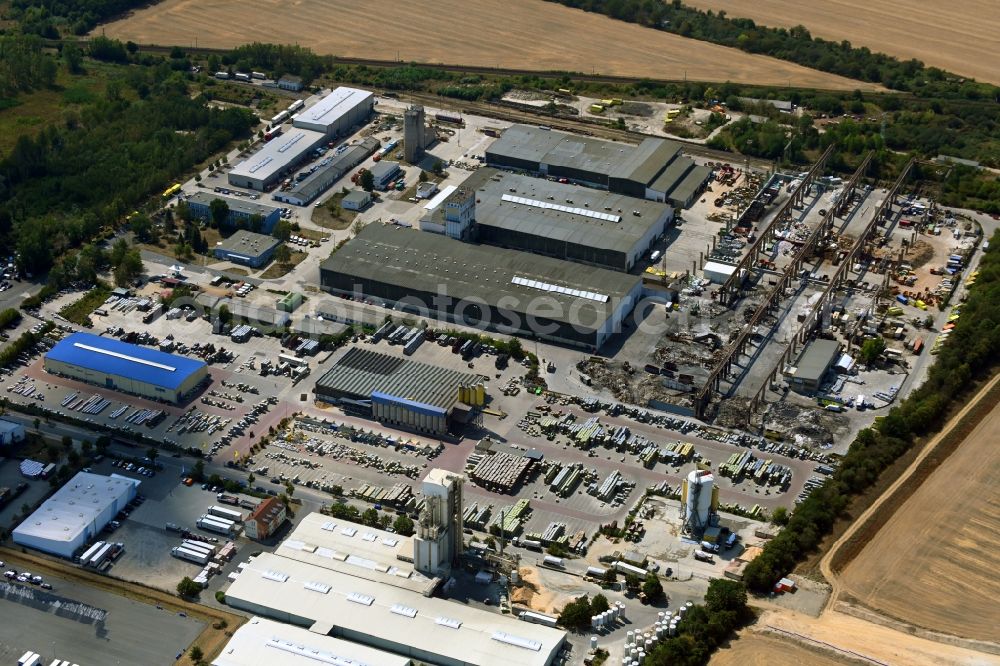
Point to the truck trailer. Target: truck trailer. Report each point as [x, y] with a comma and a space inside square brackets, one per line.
[182, 553]
[227, 514]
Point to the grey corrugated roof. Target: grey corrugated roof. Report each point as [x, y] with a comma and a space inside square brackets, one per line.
[422, 261]
[491, 184]
[816, 359]
[647, 160]
[361, 372]
[248, 206]
[690, 183]
[606, 158]
[383, 168]
[672, 175]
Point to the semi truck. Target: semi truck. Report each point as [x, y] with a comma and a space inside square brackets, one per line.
[228, 499]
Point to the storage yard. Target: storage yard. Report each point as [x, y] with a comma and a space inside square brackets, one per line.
[964, 39]
[523, 40]
[945, 580]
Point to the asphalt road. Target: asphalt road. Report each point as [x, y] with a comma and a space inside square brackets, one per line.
[53, 624]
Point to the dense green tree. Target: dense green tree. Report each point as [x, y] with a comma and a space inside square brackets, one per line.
[403, 525]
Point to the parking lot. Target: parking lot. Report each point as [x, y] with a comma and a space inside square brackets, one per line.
[88, 626]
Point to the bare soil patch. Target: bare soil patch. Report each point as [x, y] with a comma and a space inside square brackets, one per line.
[525, 34]
[961, 36]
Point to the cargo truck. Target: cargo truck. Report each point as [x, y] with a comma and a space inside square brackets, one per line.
[228, 499]
[553, 561]
[702, 556]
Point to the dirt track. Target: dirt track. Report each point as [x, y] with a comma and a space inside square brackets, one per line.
[961, 36]
[528, 34]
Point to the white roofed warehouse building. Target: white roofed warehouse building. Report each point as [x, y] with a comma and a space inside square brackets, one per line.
[262, 641]
[353, 583]
[278, 157]
[140, 371]
[337, 112]
[76, 513]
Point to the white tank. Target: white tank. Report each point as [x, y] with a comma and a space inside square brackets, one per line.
[699, 497]
[689, 605]
[630, 637]
[593, 642]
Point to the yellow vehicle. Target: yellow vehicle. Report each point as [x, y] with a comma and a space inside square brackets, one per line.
[172, 190]
[596, 108]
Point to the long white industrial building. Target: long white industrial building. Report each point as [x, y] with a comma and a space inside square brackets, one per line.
[355, 583]
[76, 513]
[332, 116]
[262, 641]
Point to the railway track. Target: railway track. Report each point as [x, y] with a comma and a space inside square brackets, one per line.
[572, 125]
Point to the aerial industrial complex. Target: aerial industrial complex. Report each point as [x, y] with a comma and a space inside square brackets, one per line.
[483, 394]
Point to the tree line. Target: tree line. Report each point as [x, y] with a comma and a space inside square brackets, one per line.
[794, 45]
[61, 187]
[970, 355]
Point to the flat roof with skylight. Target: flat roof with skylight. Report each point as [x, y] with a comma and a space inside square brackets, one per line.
[389, 618]
[278, 154]
[357, 550]
[263, 641]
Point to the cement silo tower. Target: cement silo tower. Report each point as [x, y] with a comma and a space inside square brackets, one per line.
[699, 500]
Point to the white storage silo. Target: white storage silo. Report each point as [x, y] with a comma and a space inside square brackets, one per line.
[697, 500]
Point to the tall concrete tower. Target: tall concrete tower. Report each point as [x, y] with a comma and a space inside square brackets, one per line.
[438, 542]
[414, 134]
[699, 500]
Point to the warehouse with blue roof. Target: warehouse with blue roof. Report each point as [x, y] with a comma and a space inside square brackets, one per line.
[140, 371]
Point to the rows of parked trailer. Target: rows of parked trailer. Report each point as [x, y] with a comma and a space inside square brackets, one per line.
[95, 404]
[147, 417]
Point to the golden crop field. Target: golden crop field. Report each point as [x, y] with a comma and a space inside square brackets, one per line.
[522, 34]
[960, 36]
[754, 649]
[934, 564]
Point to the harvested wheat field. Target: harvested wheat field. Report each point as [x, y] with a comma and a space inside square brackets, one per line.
[960, 36]
[753, 649]
[935, 563]
[522, 34]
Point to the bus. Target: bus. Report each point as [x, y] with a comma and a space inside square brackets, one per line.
[172, 190]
